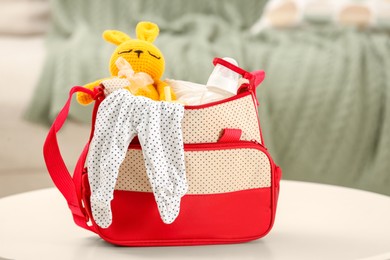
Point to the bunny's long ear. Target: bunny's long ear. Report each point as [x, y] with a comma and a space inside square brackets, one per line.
[115, 37]
[147, 31]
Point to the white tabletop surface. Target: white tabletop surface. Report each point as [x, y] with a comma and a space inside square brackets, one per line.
[313, 221]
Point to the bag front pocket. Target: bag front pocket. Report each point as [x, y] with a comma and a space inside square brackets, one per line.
[211, 168]
[230, 198]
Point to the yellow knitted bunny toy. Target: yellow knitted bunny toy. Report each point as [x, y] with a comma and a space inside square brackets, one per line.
[142, 56]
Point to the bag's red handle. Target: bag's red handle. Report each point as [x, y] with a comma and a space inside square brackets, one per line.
[255, 78]
[57, 168]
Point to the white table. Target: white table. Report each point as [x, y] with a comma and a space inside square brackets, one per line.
[313, 221]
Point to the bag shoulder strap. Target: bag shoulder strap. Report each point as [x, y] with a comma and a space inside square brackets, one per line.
[68, 186]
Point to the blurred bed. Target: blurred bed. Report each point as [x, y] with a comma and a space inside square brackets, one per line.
[324, 109]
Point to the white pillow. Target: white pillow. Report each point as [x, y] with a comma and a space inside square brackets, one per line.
[294, 13]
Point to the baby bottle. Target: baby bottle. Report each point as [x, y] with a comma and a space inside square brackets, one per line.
[222, 83]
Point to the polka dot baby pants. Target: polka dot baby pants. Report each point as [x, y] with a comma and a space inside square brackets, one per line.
[120, 117]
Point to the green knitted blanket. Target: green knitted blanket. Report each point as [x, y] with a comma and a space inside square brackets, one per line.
[325, 103]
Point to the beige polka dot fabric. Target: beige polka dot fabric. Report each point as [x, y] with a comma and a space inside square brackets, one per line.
[205, 125]
[208, 172]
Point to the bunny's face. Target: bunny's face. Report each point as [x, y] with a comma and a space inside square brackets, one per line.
[142, 55]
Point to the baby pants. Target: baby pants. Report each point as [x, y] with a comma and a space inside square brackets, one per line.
[120, 117]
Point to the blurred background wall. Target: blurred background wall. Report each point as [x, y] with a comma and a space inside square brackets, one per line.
[23, 29]
[325, 109]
